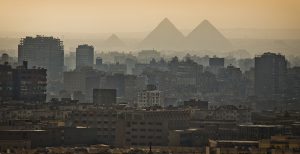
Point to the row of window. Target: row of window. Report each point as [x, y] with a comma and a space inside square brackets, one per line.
[143, 123]
[145, 144]
[149, 130]
[98, 115]
[106, 129]
[143, 137]
[98, 122]
[106, 136]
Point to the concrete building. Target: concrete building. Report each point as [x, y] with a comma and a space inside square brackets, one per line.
[240, 114]
[104, 120]
[270, 76]
[51, 137]
[74, 81]
[215, 64]
[117, 68]
[258, 132]
[22, 83]
[30, 84]
[186, 72]
[127, 86]
[44, 52]
[188, 138]
[231, 82]
[105, 96]
[5, 58]
[145, 56]
[139, 128]
[274, 145]
[132, 127]
[215, 61]
[149, 97]
[194, 103]
[70, 61]
[293, 82]
[82, 80]
[280, 143]
[6, 80]
[84, 56]
[99, 61]
[236, 114]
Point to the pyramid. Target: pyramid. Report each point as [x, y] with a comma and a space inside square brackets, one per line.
[164, 36]
[206, 37]
[113, 42]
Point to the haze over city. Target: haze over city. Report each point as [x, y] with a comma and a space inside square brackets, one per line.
[101, 16]
[150, 76]
[94, 21]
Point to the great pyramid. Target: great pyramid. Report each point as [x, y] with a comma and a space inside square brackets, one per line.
[164, 36]
[113, 42]
[206, 37]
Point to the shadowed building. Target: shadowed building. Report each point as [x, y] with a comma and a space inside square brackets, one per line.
[84, 56]
[293, 82]
[6, 82]
[45, 52]
[105, 96]
[150, 97]
[22, 83]
[270, 75]
[215, 61]
[215, 64]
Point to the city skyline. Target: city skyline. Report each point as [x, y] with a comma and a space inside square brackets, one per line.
[150, 76]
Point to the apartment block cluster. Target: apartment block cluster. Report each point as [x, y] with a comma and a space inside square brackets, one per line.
[49, 99]
[193, 124]
[22, 83]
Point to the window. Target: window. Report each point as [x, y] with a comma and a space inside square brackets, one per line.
[150, 137]
[134, 136]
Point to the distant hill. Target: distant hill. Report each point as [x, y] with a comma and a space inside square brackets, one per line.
[164, 36]
[206, 37]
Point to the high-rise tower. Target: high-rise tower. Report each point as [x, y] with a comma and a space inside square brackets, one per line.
[84, 56]
[270, 75]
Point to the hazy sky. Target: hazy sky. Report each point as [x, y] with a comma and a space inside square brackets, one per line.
[88, 16]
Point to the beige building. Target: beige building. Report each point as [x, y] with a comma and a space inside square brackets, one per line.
[151, 96]
[133, 127]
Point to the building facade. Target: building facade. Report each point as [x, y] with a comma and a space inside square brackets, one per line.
[105, 96]
[270, 75]
[44, 52]
[84, 56]
[150, 97]
[22, 83]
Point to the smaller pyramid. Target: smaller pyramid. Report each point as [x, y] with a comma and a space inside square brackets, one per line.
[114, 41]
[206, 37]
[164, 36]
